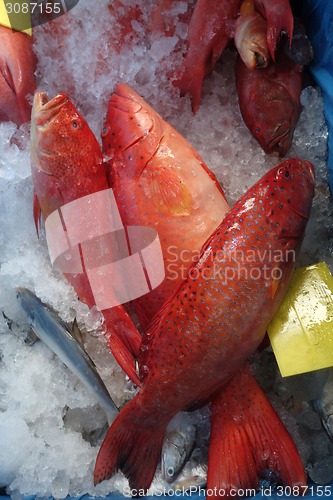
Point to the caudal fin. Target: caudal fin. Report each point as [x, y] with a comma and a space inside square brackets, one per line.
[130, 447]
[280, 20]
[248, 441]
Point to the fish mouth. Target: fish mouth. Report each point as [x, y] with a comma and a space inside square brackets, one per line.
[44, 110]
[280, 142]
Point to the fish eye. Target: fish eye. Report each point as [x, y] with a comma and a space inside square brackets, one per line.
[257, 128]
[288, 176]
[75, 124]
[105, 131]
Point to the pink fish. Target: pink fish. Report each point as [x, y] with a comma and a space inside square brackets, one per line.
[159, 181]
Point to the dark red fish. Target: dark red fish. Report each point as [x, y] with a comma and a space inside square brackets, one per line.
[269, 100]
[17, 79]
[279, 18]
[210, 30]
[67, 164]
[248, 441]
[202, 336]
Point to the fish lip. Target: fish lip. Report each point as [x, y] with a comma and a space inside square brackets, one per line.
[44, 109]
[276, 144]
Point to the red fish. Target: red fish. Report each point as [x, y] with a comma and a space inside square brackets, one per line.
[250, 37]
[248, 441]
[202, 336]
[17, 80]
[210, 30]
[279, 18]
[269, 100]
[67, 164]
[159, 181]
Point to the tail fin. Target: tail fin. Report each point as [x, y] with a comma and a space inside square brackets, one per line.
[191, 84]
[279, 20]
[133, 448]
[248, 441]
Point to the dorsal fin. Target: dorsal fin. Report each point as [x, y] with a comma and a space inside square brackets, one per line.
[76, 333]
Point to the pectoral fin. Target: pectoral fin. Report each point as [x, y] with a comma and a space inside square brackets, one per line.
[169, 193]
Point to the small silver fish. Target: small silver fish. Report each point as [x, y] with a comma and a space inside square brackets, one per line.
[178, 445]
[55, 334]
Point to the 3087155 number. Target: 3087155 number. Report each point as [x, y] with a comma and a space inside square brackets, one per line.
[26, 7]
[291, 491]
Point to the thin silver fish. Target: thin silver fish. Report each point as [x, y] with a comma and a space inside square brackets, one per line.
[55, 334]
[178, 445]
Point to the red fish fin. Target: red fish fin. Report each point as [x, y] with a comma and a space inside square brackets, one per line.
[124, 340]
[168, 192]
[134, 449]
[191, 83]
[248, 440]
[124, 358]
[37, 213]
[281, 20]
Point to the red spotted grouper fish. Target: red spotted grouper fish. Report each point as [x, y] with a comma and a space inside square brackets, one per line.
[67, 164]
[217, 318]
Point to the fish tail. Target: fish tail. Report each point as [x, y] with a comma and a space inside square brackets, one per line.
[191, 85]
[281, 21]
[249, 442]
[130, 447]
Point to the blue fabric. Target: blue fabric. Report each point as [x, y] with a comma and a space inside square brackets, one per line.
[318, 16]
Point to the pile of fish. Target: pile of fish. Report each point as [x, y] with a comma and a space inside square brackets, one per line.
[187, 342]
[194, 340]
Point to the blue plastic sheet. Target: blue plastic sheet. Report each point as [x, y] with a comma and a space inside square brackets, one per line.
[318, 15]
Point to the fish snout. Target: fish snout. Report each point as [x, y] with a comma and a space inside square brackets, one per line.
[45, 109]
[281, 139]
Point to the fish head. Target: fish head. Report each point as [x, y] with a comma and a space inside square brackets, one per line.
[288, 197]
[251, 42]
[273, 120]
[28, 303]
[62, 143]
[131, 132]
